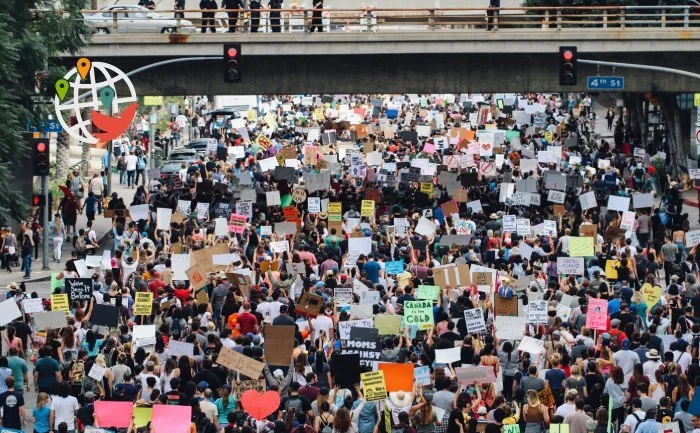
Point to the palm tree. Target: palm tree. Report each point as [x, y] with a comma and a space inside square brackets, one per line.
[62, 156]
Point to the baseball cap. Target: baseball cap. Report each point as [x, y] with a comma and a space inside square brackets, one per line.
[203, 385]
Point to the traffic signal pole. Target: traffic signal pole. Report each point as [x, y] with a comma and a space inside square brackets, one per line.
[45, 223]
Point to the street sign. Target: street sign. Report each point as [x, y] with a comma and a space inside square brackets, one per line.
[46, 126]
[606, 83]
[153, 100]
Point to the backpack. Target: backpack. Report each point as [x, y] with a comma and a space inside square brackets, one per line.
[78, 372]
[326, 427]
[615, 340]
[639, 421]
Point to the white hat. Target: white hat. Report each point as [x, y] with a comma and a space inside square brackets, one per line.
[401, 398]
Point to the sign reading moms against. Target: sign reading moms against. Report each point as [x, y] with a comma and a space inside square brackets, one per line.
[245, 365]
[474, 319]
[365, 343]
[373, 385]
[418, 312]
[279, 344]
[79, 289]
[144, 303]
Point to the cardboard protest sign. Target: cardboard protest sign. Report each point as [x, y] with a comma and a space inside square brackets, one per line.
[418, 312]
[505, 307]
[310, 304]
[450, 276]
[238, 387]
[597, 316]
[143, 304]
[245, 365]
[482, 278]
[480, 374]
[279, 344]
[474, 319]
[546, 397]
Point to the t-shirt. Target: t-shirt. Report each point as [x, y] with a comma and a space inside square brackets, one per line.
[372, 268]
[670, 251]
[64, 411]
[47, 368]
[322, 323]
[556, 377]
[18, 367]
[41, 419]
[247, 322]
[10, 402]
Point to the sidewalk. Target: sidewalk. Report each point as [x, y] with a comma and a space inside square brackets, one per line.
[101, 225]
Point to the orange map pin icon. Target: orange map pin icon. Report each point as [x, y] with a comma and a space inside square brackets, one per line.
[83, 66]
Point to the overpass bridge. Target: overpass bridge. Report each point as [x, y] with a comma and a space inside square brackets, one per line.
[413, 50]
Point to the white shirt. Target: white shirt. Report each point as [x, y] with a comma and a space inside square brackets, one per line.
[181, 121]
[64, 410]
[565, 409]
[143, 376]
[183, 174]
[131, 161]
[322, 323]
[682, 359]
[650, 368]
[631, 421]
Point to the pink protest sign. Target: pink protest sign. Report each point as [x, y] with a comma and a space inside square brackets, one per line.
[429, 148]
[597, 317]
[171, 419]
[236, 223]
[114, 413]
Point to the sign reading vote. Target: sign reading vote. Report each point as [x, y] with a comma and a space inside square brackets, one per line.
[79, 289]
[606, 83]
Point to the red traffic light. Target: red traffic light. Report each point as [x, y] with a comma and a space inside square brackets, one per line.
[41, 146]
[232, 52]
[568, 55]
[36, 200]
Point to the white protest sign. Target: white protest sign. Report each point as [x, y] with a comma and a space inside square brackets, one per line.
[530, 345]
[474, 319]
[97, 372]
[180, 348]
[537, 312]
[510, 328]
[692, 238]
[279, 246]
[627, 221]
[314, 204]
[163, 215]
[570, 265]
[523, 225]
[33, 305]
[509, 223]
[448, 356]
[588, 200]
[139, 212]
[344, 327]
[556, 196]
[645, 200]
[617, 203]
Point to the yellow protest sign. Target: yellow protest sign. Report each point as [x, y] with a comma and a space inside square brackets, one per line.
[270, 121]
[373, 385]
[426, 188]
[60, 303]
[335, 208]
[696, 99]
[651, 295]
[144, 303]
[610, 271]
[549, 136]
[580, 246]
[318, 114]
[367, 208]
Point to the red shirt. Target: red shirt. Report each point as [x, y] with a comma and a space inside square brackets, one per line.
[247, 322]
[154, 285]
[182, 295]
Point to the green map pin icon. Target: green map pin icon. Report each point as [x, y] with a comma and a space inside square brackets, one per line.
[62, 86]
[106, 96]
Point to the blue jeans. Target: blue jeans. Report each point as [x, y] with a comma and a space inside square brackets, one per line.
[27, 264]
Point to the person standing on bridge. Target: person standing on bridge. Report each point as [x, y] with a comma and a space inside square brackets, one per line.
[275, 15]
[255, 7]
[492, 14]
[179, 7]
[317, 21]
[232, 15]
[208, 17]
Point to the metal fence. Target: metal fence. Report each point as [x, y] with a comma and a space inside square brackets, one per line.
[628, 18]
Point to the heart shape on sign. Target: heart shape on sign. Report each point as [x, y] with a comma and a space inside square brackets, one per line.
[258, 405]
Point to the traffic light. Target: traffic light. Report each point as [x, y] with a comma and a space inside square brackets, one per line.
[567, 66]
[232, 63]
[38, 200]
[41, 156]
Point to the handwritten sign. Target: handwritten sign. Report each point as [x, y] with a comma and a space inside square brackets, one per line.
[144, 303]
[418, 312]
[79, 289]
[374, 385]
[570, 265]
[537, 312]
[428, 292]
[243, 364]
[393, 268]
[60, 302]
[482, 278]
[474, 319]
[367, 209]
[597, 316]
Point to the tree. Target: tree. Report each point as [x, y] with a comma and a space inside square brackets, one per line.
[675, 137]
[32, 35]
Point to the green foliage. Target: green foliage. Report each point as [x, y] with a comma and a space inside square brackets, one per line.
[33, 33]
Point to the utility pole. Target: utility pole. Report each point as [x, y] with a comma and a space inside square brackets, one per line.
[109, 158]
[45, 220]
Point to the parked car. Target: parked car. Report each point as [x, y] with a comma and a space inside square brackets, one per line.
[200, 145]
[183, 155]
[135, 19]
[170, 169]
